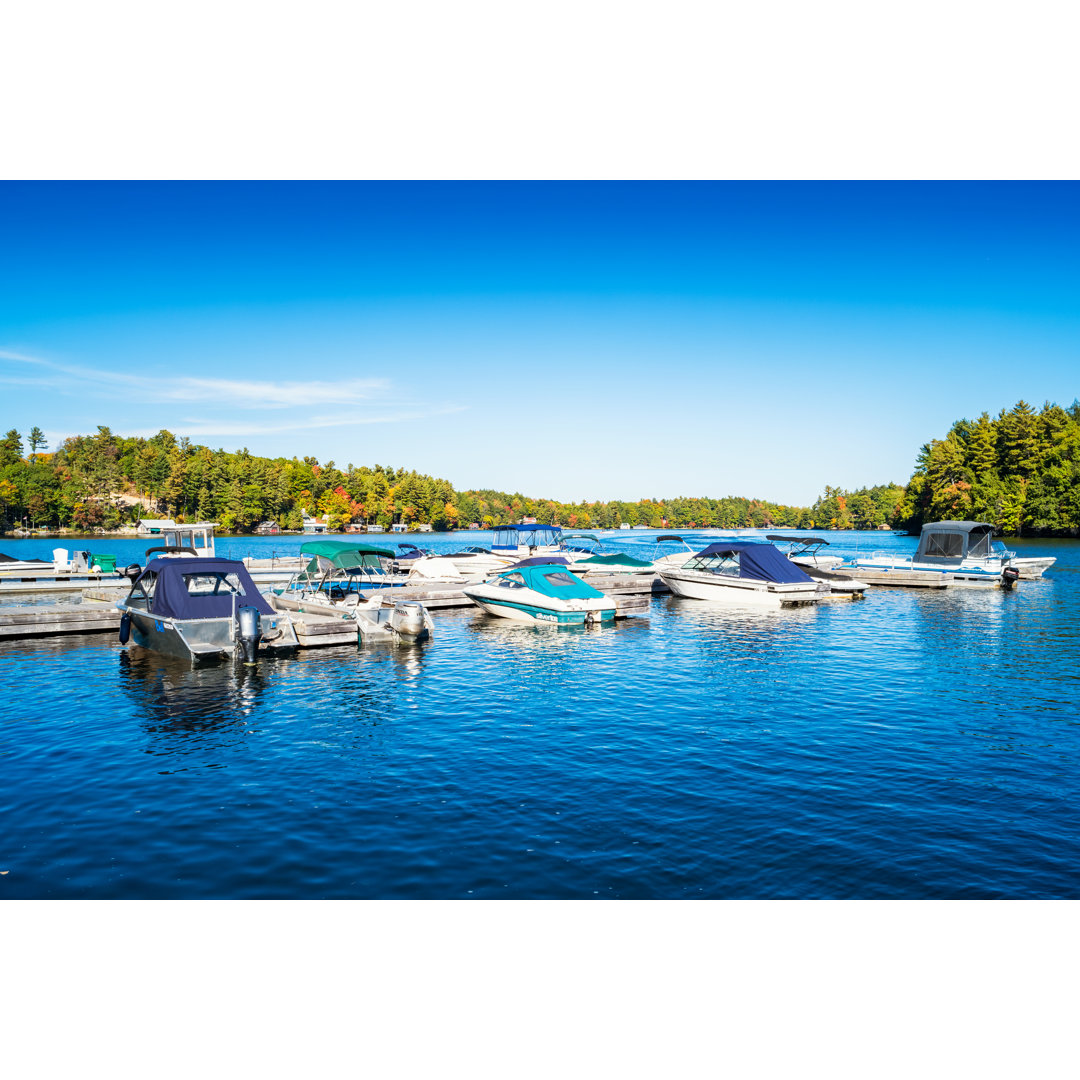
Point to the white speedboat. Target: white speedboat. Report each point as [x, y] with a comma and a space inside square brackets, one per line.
[805, 551]
[202, 609]
[950, 554]
[1030, 567]
[742, 573]
[542, 591]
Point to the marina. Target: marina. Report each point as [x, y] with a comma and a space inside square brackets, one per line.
[500, 759]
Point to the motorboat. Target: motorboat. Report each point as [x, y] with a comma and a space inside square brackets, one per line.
[372, 567]
[469, 564]
[542, 590]
[521, 541]
[202, 609]
[1030, 567]
[805, 551]
[588, 554]
[333, 584]
[743, 573]
[950, 553]
[662, 557]
[198, 538]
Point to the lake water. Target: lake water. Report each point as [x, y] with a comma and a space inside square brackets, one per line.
[913, 745]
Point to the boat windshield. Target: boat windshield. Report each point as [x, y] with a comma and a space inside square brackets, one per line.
[727, 564]
[562, 580]
[213, 584]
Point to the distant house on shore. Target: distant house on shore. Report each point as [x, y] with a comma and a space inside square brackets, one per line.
[314, 525]
[267, 528]
[155, 526]
[425, 528]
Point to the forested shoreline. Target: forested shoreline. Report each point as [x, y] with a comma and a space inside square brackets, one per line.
[1020, 471]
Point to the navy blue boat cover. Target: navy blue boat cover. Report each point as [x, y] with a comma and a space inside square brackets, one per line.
[542, 560]
[762, 562]
[172, 599]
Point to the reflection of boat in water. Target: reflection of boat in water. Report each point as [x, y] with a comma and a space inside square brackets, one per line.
[542, 591]
[202, 609]
[332, 584]
[950, 553]
[738, 572]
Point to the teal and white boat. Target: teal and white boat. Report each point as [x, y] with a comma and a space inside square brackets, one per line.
[542, 591]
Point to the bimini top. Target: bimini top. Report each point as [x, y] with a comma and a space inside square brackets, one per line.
[551, 579]
[510, 536]
[336, 550]
[942, 541]
[196, 588]
[804, 540]
[762, 562]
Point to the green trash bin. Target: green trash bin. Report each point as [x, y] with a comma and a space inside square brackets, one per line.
[105, 563]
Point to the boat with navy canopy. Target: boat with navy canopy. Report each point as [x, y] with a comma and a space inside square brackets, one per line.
[542, 589]
[743, 573]
[201, 609]
[950, 553]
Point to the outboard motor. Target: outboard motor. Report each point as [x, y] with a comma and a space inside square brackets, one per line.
[408, 619]
[132, 571]
[1009, 576]
[248, 631]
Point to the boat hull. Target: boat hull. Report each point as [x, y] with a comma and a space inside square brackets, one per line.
[539, 609]
[740, 592]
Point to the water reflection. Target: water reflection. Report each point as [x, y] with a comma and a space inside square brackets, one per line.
[177, 700]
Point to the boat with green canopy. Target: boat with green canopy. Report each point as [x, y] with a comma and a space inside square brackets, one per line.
[335, 580]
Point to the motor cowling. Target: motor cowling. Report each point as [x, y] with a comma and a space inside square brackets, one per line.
[408, 619]
[1009, 576]
[248, 631]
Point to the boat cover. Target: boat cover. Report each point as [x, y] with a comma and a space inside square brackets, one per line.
[555, 580]
[762, 562]
[172, 599]
[951, 540]
[613, 560]
[542, 560]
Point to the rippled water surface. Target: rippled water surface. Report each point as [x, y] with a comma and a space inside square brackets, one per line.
[912, 745]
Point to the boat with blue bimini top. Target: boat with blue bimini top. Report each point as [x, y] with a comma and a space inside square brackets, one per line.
[202, 609]
[542, 590]
[525, 540]
[743, 573]
[950, 554]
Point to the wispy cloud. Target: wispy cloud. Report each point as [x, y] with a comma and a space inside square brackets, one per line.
[233, 393]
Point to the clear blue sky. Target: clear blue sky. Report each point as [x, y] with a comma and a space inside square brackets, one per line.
[579, 340]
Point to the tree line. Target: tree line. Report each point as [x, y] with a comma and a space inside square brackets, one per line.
[1020, 471]
[106, 480]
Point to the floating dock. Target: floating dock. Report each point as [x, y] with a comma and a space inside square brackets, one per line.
[89, 617]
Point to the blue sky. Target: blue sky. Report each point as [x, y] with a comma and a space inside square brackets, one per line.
[578, 340]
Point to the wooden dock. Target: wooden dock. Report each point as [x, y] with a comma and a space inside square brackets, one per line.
[910, 579]
[89, 617]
